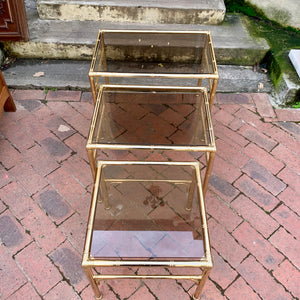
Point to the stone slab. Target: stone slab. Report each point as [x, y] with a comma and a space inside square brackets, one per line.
[55, 39]
[285, 12]
[288, 89]
[64, 74]
[155, 11]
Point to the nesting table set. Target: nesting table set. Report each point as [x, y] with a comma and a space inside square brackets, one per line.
[153, 92]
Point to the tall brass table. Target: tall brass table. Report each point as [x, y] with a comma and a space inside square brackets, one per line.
[149, 57]
[143, 215]
[152, 118]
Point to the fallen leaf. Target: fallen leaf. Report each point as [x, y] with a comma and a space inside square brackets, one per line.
[38, 74]
[260, 86]
[63, 128]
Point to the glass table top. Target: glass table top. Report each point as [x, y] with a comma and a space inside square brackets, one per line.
[153, 52]
[147, 211]
[127, 117]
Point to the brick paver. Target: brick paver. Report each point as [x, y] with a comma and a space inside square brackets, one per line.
[38, 268]
[27, 290]
[263, 158]
[253, 201]
[12, 234]
[9, 156]
[256, 193]
[263, 105]
[255, 215]
[287, 244]
[288, 114]
[263, 177]
[222, 212]
[31, 180]
[261, 281]
[68, 260]
[263, 251]
[12, 277]
[289, 276]
[43, 230]
[241, 290]
[62, 291]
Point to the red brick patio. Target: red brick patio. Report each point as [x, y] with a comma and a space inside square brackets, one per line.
[253, 202]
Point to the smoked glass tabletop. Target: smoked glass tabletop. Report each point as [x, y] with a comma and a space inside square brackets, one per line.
[148, 212]
[153, 52]
[139, 57]
[127, 117]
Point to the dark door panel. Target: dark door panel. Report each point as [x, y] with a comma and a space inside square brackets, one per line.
[13, 24]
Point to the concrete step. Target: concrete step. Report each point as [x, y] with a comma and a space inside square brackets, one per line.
[120, 11]
[62, 74]
[56, 39]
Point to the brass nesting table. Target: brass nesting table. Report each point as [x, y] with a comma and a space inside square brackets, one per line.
[149, 118]
[153, 92]
[146, 215]
[150, 57]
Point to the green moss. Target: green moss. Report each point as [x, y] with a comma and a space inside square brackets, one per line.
[274, 70]
[280, 40]
[296, 101]
[240, 6]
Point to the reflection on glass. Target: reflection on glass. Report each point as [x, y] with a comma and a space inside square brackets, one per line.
[147, 212]
[152, 117]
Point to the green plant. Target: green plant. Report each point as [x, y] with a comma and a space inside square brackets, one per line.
[296, 105]
[47, 89]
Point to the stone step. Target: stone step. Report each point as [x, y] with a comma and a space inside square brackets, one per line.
[54, 39]
[62, 74]
[120, 11]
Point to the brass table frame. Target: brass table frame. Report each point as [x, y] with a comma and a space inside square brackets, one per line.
[89, 263]
[98, 68]
[209, 149]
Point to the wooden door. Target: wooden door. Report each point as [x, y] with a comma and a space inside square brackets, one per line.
[13, 23]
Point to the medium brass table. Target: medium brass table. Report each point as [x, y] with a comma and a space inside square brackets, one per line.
[152, 118]
[145, 215]
[151, 57]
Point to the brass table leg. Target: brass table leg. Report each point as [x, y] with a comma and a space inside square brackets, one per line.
[93, 282]
[201, 284]
[103, 190]
[91, 155]
[191, 191]
[208, 172]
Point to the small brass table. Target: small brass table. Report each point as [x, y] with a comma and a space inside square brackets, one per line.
[143, 215]
[152, 118]
[151, 57]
